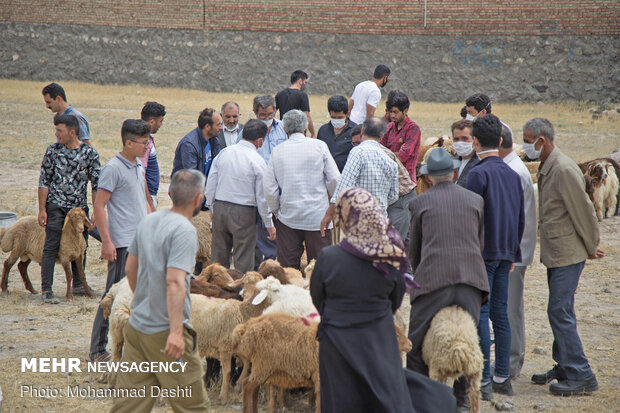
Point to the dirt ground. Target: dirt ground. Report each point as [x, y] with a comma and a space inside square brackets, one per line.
[30, 329]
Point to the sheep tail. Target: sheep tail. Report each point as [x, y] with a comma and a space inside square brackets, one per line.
[237, 335]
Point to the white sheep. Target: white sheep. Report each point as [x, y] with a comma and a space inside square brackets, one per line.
[288, 298]
[202, 222]
[401, 319]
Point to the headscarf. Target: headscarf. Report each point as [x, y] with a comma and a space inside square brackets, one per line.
[369, 234]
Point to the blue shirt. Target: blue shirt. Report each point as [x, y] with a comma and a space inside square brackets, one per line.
[208, 159]
[504, 216]
[275, 136]
[84, 132]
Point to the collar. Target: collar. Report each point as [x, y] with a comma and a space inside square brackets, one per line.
[509, 158]
[126, 162]
[67, 110]
[297, 135]
[247, 144]
[546, 166]
[369, 142]
[405, 123]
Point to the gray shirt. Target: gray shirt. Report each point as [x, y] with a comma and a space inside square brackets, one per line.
[127, 204]
[163, 240]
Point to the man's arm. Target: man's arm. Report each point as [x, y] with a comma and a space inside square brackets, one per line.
[131, 271]
[415, 239]
[348, 178]
[189, 156]
[42, 197]
[149, 201]
[310, 125]
[271, 189]
[351, 103]
[370, 111]
[45, 179]
[108, 250]
[175, 300]
[411, 146]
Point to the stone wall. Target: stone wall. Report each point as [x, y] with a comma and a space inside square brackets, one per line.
[427, 68]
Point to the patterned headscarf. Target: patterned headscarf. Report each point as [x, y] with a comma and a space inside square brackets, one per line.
[369, 234]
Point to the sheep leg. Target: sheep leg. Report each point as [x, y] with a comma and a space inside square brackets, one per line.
[8, 264]
[80, 267]
[245, 372]
[271, 399]
[473, 384]
[69, 275]
[250, 397]
[317, 395]
[22, 266]
[225, 363]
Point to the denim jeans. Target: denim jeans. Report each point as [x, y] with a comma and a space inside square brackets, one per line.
[496, 309]
[567, 348]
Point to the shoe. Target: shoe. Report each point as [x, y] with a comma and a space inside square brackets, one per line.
[486, 391]
[555, 373]
[570, 387]
[79, 291]
[48, 298]
[503, 388]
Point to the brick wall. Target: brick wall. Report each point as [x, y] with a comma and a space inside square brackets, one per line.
[404, 17]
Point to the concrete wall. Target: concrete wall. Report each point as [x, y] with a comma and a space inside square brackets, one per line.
[429, 68]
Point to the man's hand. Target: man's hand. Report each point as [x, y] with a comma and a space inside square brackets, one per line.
[211, 216]
[512, 267]
[598, 254]
[108, 250]
[42, 219]
[329, 216]
[93, 223]
[272, 233]
[175, 346]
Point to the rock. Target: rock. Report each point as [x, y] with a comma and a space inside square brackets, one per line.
[539, 350]
[88, 379]
[604, 348]
[506, 406]
[606, 290]
[539, 408]
[596, 115]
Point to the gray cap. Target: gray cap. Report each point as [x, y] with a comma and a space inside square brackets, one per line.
[439, 163]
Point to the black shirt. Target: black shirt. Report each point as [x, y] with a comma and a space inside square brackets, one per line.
[339, 146]
[288, 99]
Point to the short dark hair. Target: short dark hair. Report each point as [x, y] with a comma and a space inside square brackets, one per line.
[338, 103]
[461, 124]
[152, 110]
[506, 137]
[488, 130]
[205, 118]
[134, 128]
[397, 99]
[480, 101]
[298, 74]
[54, 90]
[70, 121]
[464, 111]
[253, 130]
[380, 71]
[357, 130]
[374, 127]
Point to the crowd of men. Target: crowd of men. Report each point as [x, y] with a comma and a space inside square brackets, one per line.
[271, 192]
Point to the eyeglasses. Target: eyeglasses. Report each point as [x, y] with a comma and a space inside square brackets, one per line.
[266, 116]
[145, 143]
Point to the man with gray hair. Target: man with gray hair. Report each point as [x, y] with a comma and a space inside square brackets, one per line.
[368, 167]
[300, 180]
[264, 107]
[232, 128]
[568, 235]
[159, 261]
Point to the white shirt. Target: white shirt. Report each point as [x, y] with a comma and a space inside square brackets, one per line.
[236, 176]
[299, 181]
[463, 163]
[366, 92]
[528, 241]
[232, 136]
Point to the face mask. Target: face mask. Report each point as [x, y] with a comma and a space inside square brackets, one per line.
[463, 148]
[384, 83]
[470, 117]
[338, 123]
[227, 129]
[303, 87]
[530, 150]
[267, 122]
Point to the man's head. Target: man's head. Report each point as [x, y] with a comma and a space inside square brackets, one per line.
[397, 105]
[382, 74]
[338, 106]
[373, 128]
[264, 107]
[440, 167]
[477, 106]
[135, 136]
[187, 188]
[538, 138]
[464, 112]
[299, 78]
[230, 113]
[506, 146]
[356, 135]
[54, 97]
[294, 121]
[153, 113]
[462, 139]
[67, 129]
[209, 123]
[487, 133]
[254, 131]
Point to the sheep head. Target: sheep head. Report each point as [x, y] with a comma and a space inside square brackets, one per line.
[78, 218]
[248, 283]
[267, 287]
[216, 274]
[598, 173]
[273, 268]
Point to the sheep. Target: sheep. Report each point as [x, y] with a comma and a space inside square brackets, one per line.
[451, 348]
[308, 271]
[215, 281]
[199, 286]
[286, 298]
[202, 222]
[401, 319]
[601, 176]
[425, 151]
[25, 240]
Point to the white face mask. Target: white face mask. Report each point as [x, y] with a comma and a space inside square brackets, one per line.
[338, 123]
[233, 129]
[267, 122]
[530, 150]
[470, 117]
[463, 148]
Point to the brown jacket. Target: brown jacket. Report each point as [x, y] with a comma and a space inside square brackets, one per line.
[567, 222]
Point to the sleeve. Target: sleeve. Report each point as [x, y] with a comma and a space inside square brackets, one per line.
[373, 98]
[317, 288]
[415, 238]
[408, 152]
[259, 190]
[47, 169]
[305, 104]
[133, 247]
[271, 189]
[189, 156]
[84, 128]
[393, 194]
[350, 173]
[521, 212]
[94, 171]
[108, 179]
[475, 183]
[182, 249]
[330, 173]
[580, 208]
[398, 292]
[481, 226]
[211, 186]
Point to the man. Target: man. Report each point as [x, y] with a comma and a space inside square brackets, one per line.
[398, 212]
[368, 167]
[403, 135]
[516, 277]
[234, 193]
[337, 133]
[504, 220]
[447, 233]
[356, 135]
[478, 105]
[66, 168]
[264, 110]
[462, 142]
[56, 101]
[295, 97]
[366, 95]
[231, 132]
[198, 148]
[153, 113]
[568, 235]
[300, 180]
[159, 260]
[123, 191]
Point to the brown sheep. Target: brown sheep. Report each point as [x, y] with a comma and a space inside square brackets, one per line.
[273, 268]
[425, 151]
[199, 286]
[25, 240]
[202, 222]
[218, 275]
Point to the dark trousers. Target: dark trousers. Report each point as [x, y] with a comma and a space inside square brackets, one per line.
[400, 215]
[265, 248]
[290, 244]
[53, 230]
[567, 347]
[99, 335]
[234, 228]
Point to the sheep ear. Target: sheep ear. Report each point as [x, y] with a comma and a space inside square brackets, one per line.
[260, 297]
